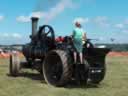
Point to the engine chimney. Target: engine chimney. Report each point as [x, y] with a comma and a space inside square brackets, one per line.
[34, 25]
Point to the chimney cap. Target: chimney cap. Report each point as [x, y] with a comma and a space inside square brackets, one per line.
[34, 18]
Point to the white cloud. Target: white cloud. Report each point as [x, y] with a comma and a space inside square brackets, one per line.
[38, 14]
[23, 19]
[81, 20]
[16, 35]
[101, 38]
[59, 8]
[12, 38]
[125, 31]
[11, 35]
[5, 35]
[126, 21]
[102, 21]
[120, 26]
[1, 17]
[50, 14]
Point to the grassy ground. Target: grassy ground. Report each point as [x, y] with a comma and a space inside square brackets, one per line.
[30, 84]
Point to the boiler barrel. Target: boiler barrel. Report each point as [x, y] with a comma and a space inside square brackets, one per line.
[33, 52]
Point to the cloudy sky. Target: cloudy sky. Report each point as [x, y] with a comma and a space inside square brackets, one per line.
[105, 20]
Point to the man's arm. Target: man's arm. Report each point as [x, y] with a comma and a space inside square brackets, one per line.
[73, 34]
[84, 37]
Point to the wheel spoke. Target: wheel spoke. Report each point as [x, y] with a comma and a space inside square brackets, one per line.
[48, 32]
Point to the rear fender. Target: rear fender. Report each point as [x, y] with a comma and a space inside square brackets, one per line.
[96, 56]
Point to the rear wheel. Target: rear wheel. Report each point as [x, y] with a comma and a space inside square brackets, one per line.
[14, 64]
[57, 68]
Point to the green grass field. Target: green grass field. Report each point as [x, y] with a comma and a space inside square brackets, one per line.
[30, 84]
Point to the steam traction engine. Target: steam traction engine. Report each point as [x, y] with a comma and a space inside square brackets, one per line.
[54, 59]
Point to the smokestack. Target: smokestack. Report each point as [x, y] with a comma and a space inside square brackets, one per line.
[34, 25]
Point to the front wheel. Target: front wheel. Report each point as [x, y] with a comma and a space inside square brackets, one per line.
[14, 67]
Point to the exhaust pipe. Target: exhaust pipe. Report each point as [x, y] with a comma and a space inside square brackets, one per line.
[34, 25]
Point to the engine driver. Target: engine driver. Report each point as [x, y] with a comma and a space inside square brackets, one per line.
[79, 37]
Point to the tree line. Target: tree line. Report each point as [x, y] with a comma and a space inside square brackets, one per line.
[116, 47]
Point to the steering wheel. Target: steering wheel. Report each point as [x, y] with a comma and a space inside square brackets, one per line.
[46, 32]
[88, 44]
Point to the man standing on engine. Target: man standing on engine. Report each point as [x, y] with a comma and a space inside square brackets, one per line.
[79, 36]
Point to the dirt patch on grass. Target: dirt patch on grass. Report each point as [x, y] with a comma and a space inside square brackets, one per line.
[6, 55]
[118, 54]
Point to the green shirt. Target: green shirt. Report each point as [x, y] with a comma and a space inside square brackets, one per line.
[77, 39]
[77, 33]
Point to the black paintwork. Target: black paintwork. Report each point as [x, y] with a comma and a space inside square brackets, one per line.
[43, 41]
